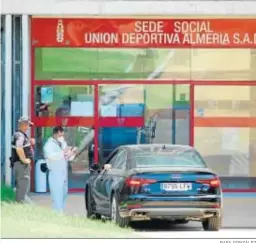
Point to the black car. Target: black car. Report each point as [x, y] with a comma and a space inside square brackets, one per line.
[143, 182]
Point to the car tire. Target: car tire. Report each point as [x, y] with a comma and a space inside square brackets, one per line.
[115, 216]
[212, 224]
[90, 205]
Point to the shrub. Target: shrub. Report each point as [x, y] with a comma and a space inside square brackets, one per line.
[7, 194]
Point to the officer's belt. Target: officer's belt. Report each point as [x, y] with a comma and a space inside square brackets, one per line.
[27, 145]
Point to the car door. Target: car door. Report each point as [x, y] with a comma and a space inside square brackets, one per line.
[113, 177]
[98, 188]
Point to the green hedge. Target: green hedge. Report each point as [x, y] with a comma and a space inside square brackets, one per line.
[7, 194]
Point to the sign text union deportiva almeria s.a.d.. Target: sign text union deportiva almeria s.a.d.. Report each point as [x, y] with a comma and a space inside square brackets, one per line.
[183, 33]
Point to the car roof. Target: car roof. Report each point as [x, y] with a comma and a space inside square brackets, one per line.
[146, 147]
[162, 148]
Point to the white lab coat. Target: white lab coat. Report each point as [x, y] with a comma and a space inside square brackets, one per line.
[58, 172]
[54, 155]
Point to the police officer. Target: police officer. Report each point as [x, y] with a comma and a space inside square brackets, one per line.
[22, 156]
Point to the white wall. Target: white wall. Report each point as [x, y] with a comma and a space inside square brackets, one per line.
[85, 7]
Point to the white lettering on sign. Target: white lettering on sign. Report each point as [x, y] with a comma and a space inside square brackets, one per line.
[152, 32]
[192, 27]
[98, 38]
[147, 38]
[206, 39]
[149, 26]
[244, 39]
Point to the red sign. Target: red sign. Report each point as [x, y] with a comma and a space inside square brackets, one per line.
[142, 33]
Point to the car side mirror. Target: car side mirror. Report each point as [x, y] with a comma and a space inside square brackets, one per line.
[95, 168]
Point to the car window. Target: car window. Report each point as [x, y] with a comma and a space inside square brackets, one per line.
[120, 160]
[178, 158]
[111, 157]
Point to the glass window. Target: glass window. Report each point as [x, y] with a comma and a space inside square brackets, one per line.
[112, 137]
[111, 63]
[120, 161]
[169, 158]
[163, 110]
[133, 63]
[121, 100]
[223, 64]
[229, 151]
[111, 160]
[64, 100]
[225, 101]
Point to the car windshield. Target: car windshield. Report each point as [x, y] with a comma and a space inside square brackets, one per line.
[173, 158]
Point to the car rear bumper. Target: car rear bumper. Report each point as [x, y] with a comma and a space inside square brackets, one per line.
[192, 213]
[194, 208]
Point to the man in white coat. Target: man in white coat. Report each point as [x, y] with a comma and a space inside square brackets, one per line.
[57, 154]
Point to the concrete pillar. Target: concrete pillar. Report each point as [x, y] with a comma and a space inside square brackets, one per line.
[26, 80]
[8, 97]
[25, 65]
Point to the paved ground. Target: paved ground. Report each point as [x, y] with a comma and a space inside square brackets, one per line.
[239, 218]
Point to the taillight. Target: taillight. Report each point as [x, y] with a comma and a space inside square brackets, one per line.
[215, 182]
[138, 182]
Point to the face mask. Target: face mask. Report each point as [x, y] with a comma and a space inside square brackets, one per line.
[60, 139]
[71, 158]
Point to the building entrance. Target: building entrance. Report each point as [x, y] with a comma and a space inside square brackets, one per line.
[128, 90]
[127, 114]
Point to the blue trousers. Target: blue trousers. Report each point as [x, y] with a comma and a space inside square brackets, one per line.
[58, 184]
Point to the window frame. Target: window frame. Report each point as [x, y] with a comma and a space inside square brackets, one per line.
[123, 160]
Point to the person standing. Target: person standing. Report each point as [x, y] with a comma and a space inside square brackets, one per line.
[57, 154]
[22, 156]
[154, 123]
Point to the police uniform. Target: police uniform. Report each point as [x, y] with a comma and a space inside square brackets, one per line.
[21, 170]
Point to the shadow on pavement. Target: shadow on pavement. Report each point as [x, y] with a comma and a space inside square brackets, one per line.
[163, 225]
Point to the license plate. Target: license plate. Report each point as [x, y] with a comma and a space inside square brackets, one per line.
[177, 186]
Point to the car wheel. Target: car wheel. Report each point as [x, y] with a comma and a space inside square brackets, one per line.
[115, 216]
[212, 224]
[90, 206]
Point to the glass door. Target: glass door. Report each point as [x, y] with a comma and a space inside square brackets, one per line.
[225, 128]
[143, 114]
[70, 106]
[181, 115]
